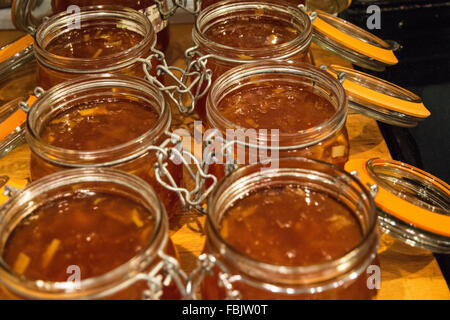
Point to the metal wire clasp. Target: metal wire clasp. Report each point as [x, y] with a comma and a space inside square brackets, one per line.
[171, 149]
[165, 272]
[205, 265]
[195, 75]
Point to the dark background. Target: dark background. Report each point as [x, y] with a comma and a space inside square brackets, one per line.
[422, 28]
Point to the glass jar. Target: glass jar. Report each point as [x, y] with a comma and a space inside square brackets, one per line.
[342, 276]
[207, 3]
[238, 111]
[133, 156]
[330, 6]
[61, 46]
[275, 21]
[146, 6]
[27, 16]
[127, 279]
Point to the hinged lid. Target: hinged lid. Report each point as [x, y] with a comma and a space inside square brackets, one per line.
[413, 205]
[380, 99]
[12, 125]
[15, 55]
[351, 42]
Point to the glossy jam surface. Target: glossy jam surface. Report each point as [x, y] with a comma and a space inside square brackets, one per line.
[286, 107]
[61, 5]
[93, 42]
[289, 225]
[289, 108]
[206, 3]
[251, 32]
[141, 5]
[99, 124]
[95, 231]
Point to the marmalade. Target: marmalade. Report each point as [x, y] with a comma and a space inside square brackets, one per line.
[253, 34]
[163, 35]
[103, 124]
[283, 106]
[99, 124]
[95, 231]
[291, 109]
[101, 44]
[290, 225]
[206, 3]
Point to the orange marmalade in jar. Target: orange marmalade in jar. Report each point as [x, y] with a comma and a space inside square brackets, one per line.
[277, 110]
[207, 3]
[232, 33]
[105, 39]
[101, 121]
[141, 5]
[84, 234]
[303, 230]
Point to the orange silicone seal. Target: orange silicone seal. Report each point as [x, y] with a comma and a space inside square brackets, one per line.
[15, 47]
[383, 55]
[400, 208]
[14, 120]
[411, 108]
[12, 182]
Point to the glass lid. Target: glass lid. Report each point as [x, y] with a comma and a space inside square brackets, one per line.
[379, 99]
[413, 205]
[351, 42]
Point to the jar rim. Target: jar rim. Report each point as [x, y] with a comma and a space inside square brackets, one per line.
[299, 139]
[121, 153]
[91, 13]
[94, 286]
[281, 51]
[241, 179]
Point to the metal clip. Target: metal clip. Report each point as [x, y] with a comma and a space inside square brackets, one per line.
[312, 15]
[196, 73]
[205, 265]
[165, 272]
[183, 4]
[38, 91]
[189, 198]
[373, 189]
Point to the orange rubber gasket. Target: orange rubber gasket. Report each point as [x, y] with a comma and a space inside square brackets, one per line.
[400, 208]
[15, 183]
[415, 109]
[383, 55]
[14, 120]
[16, 47]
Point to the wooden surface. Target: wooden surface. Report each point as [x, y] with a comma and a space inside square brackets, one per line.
[407, 273]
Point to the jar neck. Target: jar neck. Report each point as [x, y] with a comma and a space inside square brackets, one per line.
[275, 11]
[308, 76]
[294, 279]
[68, 94]
[49, 188]
[93, 16]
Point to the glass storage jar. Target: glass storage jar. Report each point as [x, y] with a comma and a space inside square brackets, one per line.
[306, 105]
[101, 121]
[330, 6]
[107, 39]
[28, 15]
[40, 260]
[233, 32]
[322, 241]
[146, 6]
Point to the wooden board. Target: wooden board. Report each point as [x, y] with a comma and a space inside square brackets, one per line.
[407, 273]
